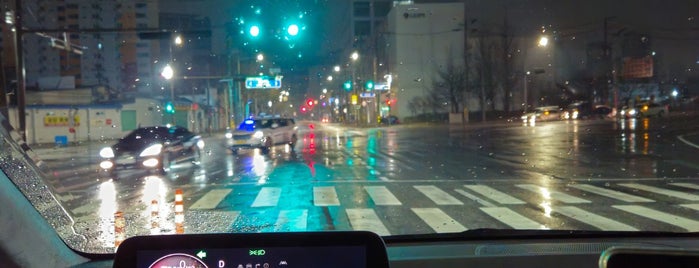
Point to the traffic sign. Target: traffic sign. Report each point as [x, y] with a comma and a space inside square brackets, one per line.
[367, 95]
[263, 82]
[381, 86]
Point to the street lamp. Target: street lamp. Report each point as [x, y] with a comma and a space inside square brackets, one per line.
[354, 56]
[330, 78]
[337, 68]
[178, 40]
[543, 41]
[260, 57]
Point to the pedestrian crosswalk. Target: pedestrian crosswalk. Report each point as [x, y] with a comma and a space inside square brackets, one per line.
[390, 208]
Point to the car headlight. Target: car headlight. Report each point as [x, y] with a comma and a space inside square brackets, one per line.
[229, 135]
[632, 112]
[107, 152]
[258, 134]
[154, 149]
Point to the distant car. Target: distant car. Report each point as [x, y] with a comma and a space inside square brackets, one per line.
[545, 113]
[262, 133]
[578, 110]
[152, 148]
[645, 110]
[390, 120]
[602, 111]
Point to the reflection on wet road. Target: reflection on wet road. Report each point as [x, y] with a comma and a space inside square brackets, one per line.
[598, 174]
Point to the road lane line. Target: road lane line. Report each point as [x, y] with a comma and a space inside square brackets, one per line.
[549, 194]
[474, 198]
[211, 199]
[610, 193]
[682, 139]
[325, 196]
[687, 224]
[382, 196]
[686, 185]
[365, 219]
[439, 221]
[293, 220]
[438, 196]
[691, 206]
[670, 193]
[603, 223]
[511, 218]
[495, 195]
[267, 197]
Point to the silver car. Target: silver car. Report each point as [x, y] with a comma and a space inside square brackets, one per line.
[262, 133]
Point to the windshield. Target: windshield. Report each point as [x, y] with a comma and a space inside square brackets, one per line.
[398, 117]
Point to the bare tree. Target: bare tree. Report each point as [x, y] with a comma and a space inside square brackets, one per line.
[485, 68]
[449, 86]
[507, 75]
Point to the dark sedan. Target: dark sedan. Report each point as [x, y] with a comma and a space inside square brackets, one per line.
[152, 148]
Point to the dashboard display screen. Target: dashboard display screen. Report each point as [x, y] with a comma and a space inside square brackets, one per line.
[254, 250]
[257, 257]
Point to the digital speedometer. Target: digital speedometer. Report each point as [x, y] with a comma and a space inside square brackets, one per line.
[178, 260]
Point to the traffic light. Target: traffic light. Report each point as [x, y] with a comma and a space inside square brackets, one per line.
[169, 108]
[354, 99]
[254, 30]
[388, 102]
[369, 85]
[304, 109]
[348, 85]
[309, 102]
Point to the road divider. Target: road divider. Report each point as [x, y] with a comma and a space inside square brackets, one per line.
[179, 212]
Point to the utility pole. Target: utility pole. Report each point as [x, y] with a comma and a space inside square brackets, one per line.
[466, 70]
[21, 75]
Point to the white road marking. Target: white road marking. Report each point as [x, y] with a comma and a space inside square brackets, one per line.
[438, 220]
[511, 218]
[691, 206]
[325, 196]
[437, 195]
[382, 196]
[267, 197]
[610, 193]
[365, 219]
[687, 224]
[549, 194]
[603, 223]
[211, 199]
[686, 185]
[670, 193]
[474, 198]
[294, 220]
[495, 195]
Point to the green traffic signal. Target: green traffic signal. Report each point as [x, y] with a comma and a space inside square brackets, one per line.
[348, 85]
[293, 29]
[369, 85]
[254, 31]
[169, 108]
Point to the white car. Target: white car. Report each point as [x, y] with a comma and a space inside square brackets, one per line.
[645, 110]
[545, 113]
[262, 133]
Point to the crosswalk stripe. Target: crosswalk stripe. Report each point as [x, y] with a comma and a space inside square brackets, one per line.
[670, 193]
[691, 206]
[687, 224]
[438, 196]
[439, 221]
[686, 185]
[382, 196]
[546, 193]
[293, 220]
[325, 196]
[474, 198]
[365, 219]
[495, 195]
[603, 223]
[267, 197]
[511, 218]
[610, 193]
[211, 199]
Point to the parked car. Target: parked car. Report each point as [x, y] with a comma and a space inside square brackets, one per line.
[152, 148]
[390, 120]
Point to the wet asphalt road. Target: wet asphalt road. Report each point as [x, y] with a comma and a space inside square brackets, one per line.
[406, 179]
